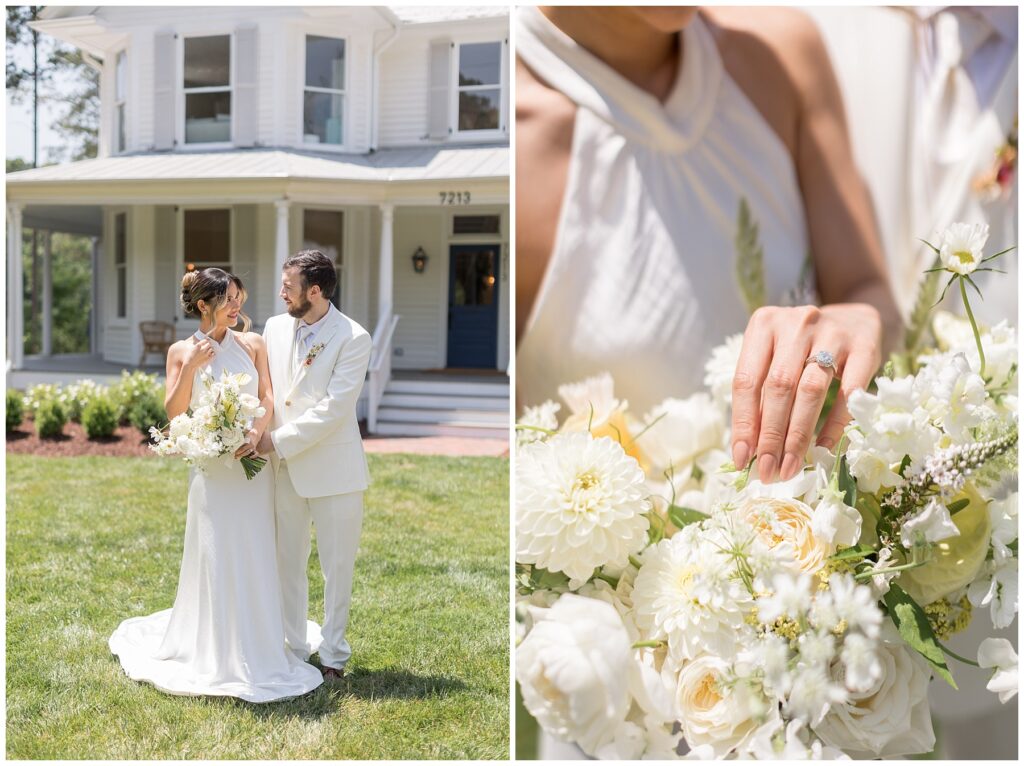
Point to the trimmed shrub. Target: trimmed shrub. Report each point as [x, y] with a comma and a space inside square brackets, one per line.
[50, 418]
[100, 418]
[36, 395]
[15, 409]
[132, 388]
[78, 395]
[147, 412]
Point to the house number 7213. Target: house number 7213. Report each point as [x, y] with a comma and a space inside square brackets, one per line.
[454, 198]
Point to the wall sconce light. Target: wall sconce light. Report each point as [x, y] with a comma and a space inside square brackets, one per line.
[419, 260]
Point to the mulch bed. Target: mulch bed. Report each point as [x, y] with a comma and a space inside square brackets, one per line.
[126, 442]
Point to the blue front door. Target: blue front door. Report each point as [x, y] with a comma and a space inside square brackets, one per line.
[473, 306]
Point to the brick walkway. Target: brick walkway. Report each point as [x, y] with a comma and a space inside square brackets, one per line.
[437, 445]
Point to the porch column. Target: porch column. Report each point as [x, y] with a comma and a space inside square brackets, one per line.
[94, 299]
[15, 288]
[47, 293]
[387, 261]
[281, 248]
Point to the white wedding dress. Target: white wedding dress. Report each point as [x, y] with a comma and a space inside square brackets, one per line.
[224, 635]
[641, 281]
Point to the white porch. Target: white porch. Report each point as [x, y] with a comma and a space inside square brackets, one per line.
[376, 226]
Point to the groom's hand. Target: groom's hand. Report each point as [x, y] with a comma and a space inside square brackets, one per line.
[266, 445]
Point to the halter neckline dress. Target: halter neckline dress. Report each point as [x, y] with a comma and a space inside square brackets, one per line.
[641, 281]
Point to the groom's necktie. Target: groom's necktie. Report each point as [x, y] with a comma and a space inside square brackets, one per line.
[302, 344]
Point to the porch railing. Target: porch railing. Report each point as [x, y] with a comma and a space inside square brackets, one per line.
[379, 372]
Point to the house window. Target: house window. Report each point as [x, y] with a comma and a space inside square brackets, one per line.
[476, 224]
[207, 86]
[120, 98]
[121, 262]
[479, 86]
[324, 94]
[207, 239]
[322, 230]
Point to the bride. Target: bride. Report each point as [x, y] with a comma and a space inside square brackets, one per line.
[224, 636]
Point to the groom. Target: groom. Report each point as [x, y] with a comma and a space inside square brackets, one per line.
[318, 359]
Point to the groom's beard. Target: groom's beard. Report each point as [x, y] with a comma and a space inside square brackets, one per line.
[299, 310]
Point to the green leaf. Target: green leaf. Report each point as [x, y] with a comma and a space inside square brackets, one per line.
[918, 321]
[749, 259]
[847, 484]
[996, 255]
[542, 579]
[912, 623]
[681, 516]
[852, 553]
[933, 247]
[959, 505]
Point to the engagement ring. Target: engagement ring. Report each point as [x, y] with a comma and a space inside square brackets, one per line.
[825, 360]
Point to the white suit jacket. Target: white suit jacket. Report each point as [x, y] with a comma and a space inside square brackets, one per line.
[314, 426]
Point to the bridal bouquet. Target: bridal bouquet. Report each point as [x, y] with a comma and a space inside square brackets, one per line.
[216, 427]
[663, 595]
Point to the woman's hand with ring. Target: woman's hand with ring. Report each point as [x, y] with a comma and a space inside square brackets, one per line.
[248, 448]
[781, 381]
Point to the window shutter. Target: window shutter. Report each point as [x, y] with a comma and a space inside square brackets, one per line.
[439, 89]
[164, 119]
[245, 108]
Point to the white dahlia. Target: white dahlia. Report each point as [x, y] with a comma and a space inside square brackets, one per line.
[687, 593]
[580, 504]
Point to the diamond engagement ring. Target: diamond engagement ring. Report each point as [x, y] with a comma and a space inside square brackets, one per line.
[825, 360]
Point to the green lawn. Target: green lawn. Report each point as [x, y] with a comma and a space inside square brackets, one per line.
[91, 541]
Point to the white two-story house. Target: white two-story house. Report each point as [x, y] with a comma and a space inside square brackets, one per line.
[236, 136]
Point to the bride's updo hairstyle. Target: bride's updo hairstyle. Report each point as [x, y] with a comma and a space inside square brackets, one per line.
[211, 287]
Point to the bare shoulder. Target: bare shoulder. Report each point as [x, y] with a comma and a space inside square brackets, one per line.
[180, 347]
[777, 58]
[252, 342]
[785, 40]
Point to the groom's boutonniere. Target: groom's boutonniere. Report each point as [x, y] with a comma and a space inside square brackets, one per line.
[314, 353]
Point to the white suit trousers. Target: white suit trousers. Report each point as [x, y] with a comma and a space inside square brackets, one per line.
[338, 522]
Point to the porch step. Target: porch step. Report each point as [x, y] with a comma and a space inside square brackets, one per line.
[445, 402]
[436, 429]
[448, 388]
[439, 407]
[467, 418]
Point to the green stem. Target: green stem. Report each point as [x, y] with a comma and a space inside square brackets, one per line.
[648, 644]
[974, 326]
[888, 570]
[956, 656]
[524, 427]
[608, 579]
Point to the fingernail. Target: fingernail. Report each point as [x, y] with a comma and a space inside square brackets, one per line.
[826, 442]
[740, 455]
[766, 465]
[790, 466]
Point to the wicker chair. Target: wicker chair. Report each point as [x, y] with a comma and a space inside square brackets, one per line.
[157, 337]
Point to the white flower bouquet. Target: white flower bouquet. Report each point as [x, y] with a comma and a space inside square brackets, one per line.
[216, 427]
[663, 596]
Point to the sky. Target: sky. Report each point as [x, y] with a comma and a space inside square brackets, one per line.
[18, 118]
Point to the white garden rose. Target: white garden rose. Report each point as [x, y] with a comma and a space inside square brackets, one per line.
[711, 711]
[573, 671]
[961, 247]
[785, 526]
[891, 717]
[580, 504]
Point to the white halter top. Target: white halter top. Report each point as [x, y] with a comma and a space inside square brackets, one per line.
[642, 278]
[228, 355]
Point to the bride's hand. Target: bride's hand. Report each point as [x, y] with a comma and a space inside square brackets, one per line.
[777, 395]
[248, 448]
